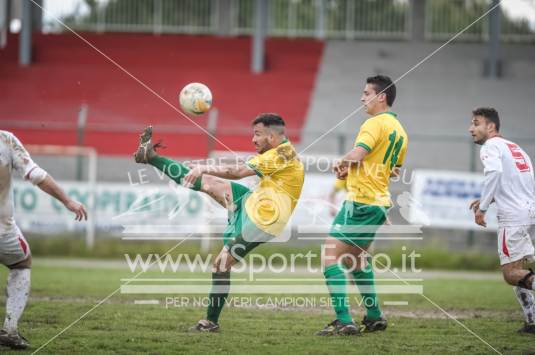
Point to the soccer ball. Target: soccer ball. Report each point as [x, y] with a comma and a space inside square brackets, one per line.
[195, 98]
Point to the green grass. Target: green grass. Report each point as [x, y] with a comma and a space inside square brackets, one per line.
[61, 295]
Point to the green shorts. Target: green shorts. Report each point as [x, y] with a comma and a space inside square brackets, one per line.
[356, 223]
[242, 235]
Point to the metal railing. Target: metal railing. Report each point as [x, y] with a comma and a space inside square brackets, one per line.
[343, 19]
[445, 18]
[332, 19]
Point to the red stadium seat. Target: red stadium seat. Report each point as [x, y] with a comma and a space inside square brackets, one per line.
[40, 103]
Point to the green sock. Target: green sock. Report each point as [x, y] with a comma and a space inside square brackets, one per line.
[218, 296]
[364, 280]
[175, 170]
[336, 283]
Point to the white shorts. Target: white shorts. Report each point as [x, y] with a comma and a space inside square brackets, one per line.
[514, 243]
[13, 248]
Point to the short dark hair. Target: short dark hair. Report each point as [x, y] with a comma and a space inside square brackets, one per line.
[269, 119]
[384, 84]
[490, 114]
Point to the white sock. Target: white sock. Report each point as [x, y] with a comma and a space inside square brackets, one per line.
[18, 289]
[527, 301]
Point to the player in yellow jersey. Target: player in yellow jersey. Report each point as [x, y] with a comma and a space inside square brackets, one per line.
[378, 151]
[255, 216]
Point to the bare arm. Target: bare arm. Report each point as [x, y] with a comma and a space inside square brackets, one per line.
[230, 172]
[50, 186]
[355, 156]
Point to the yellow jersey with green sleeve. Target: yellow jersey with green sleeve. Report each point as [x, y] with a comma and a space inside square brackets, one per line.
[386, 141]
[282, 175]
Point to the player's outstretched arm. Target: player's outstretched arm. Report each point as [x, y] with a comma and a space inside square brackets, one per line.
[230, 172]
[50, 186]
[23, 163]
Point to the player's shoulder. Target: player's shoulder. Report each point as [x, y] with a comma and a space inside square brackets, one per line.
[389, 120]
[4, 133]
[372, 122]
[383, 119]
[7, 137]
[493, 147]
[285, 150]
[495, 143]
[387, 115]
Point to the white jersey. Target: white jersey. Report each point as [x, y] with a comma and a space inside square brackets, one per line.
[13, 156]
[508, 181]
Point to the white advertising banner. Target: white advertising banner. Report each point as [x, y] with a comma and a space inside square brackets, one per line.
[142, 208]
[441, 199]
[116, 205]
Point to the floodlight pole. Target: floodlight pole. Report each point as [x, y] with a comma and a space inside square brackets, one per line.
[494, 40]
[260, 29]
[25, 49]
[320, 19]
[82, 119]
[222, 17]
[5, 17]
[417, 20]
[212, 128]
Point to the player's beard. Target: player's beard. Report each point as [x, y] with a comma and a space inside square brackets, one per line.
[481, 140]
[262, 148]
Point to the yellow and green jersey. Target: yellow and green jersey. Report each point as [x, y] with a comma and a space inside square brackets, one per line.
[282, 175]
[386, 141]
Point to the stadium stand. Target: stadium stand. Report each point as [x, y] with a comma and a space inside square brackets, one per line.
[434, 100]
[67, 73]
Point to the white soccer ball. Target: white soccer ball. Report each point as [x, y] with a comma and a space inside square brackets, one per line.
[195, 98]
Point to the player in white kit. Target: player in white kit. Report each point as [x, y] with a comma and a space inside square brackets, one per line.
[510, 184]
[14, 250]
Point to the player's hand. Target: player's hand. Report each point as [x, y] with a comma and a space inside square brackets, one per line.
[192, 176]
[474, 205]
[78, 209]
[340, 170]
[480, 218]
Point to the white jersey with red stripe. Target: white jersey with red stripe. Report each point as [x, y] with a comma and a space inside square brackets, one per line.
[509, 182]
[13, 156]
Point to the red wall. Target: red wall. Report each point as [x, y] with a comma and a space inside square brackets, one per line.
[40, 103]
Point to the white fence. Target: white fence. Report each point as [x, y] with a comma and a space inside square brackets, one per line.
[349, 19]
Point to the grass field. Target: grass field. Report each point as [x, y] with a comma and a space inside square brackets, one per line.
[61, 294]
